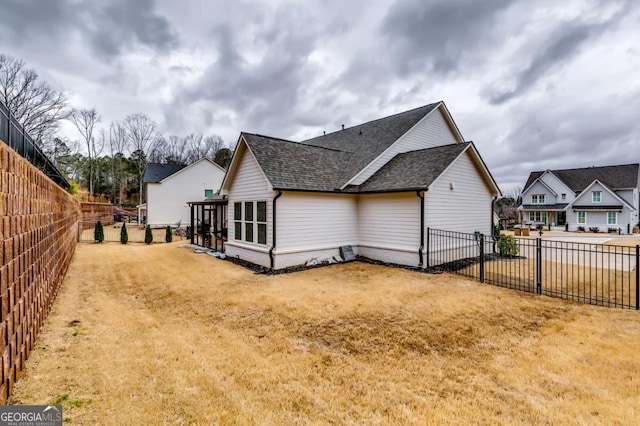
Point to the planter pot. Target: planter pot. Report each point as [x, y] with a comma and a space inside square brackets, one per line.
[516, 231]
[525, 232]
[636, 230]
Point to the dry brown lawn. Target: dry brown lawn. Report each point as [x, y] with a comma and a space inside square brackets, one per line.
[160, 335]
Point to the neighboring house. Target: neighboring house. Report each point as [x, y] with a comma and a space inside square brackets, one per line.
[170, 186]
[590, 197]
[376, 186]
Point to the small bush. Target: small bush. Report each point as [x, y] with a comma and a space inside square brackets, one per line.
[508, 246]
[98, 232]
[581, 228]
[496, 230]
[168, 235]
[124, 235]
[148, 235]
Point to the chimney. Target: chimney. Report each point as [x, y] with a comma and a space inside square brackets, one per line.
[324, 133]
[343, 127]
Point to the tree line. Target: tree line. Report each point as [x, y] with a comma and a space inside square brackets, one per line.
[107, 159]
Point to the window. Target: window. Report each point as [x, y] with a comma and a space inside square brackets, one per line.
[250, 221]
[538, 217]
[237, 224]
[261, 218]
[208, 193]
[537, 199]
[582, 218]
[563, 196]
[596, 196]
[612, 218]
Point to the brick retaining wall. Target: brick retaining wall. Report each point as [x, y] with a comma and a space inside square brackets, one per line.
[38, 230]
[93, 212]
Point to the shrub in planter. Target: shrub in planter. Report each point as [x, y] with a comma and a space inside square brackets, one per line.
[148, 235]
[98, 232]
[124, 235]
[168, 235]
[508, 246]
[581, 228]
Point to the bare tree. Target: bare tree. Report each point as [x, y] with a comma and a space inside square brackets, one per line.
[140, 134]
[33, 103]
[85, 121]
[117, 146]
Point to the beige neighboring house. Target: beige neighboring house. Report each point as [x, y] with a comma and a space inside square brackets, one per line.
[170, 186]
[375, 187]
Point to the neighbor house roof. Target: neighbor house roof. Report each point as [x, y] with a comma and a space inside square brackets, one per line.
[615, 177]
[155, 172]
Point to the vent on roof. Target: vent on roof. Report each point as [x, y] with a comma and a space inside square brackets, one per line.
[360, 132]
[343, 127]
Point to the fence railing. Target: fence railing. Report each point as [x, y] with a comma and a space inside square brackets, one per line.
[598, 274]
[14, 135]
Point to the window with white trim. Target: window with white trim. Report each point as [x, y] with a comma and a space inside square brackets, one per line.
[250, 221]
[538, 217]
[537, 199]
[582, 218]
[596, 196]
[612, 218]
[563, 196]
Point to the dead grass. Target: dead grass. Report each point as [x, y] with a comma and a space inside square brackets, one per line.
[159, 335]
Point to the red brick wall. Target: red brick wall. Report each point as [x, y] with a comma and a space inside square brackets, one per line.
[38, 230]
[93, 212]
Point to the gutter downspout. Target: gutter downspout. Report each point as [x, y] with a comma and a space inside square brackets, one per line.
[421, 249]
[493, 237]
[273, 229]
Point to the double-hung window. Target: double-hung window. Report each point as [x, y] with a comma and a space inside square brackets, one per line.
[538, 217]
[537, 199]
[582, 218]
[612, 218]
[596, 196]
[237, 221]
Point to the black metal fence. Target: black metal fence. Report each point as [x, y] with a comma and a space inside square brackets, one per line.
[14, 135]
[598, 274]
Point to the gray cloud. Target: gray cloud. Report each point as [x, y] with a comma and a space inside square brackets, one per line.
[108, 28]
[436, 35]
[561, 46]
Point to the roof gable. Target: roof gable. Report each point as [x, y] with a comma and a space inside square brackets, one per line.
[413, 170]
[194, 164]
[155, 172]
[604, 186]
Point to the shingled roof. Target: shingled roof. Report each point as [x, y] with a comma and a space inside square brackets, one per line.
[155, 172]
[413, 170]
[615, 177]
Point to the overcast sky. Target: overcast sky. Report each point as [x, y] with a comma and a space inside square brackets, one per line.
[535, 84]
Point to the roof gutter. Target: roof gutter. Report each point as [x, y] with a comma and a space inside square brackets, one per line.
[421, 249]
[273, 229]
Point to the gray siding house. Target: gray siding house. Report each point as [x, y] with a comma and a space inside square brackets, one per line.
[606, 198]
[376, 186]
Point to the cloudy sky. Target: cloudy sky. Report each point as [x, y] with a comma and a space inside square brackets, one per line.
[535, 84]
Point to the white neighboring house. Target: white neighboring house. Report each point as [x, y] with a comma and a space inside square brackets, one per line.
[376, 186]
[590, 197]
[170, 186]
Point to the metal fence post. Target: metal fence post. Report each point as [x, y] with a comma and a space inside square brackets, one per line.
[539, 265]
[428, 251]
[637, 277]
[482, 258]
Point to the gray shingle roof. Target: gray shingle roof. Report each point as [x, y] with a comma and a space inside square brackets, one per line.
[327, 163]
[413, 170]
[367, 141]
[155, 172]
[544, 206]
[615, 177]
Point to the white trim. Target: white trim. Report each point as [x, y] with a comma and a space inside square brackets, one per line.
[189, 166]
[260, 249]
[543, 184]
[606, 188]
[593, 193]
[478, 161]
[233, 167]
[616, 217]
[456, 133]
